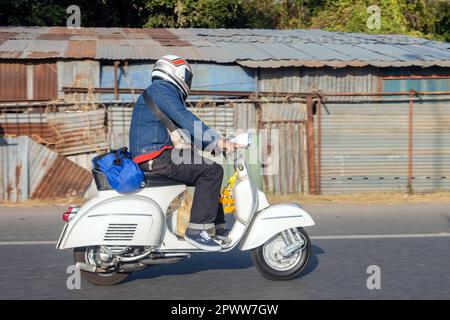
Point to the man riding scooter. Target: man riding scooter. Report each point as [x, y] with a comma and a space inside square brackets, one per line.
[151, 147]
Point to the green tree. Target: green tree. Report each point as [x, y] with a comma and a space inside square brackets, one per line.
[94, 13]
[195, 13]
[424, 18]
[414, 17]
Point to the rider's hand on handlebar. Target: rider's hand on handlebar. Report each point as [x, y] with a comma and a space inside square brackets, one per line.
[227, 146]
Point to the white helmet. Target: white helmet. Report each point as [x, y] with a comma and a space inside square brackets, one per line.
[175, 70]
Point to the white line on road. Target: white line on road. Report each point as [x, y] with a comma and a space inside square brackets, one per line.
[25, 243]
[333, 237]
[382, 236]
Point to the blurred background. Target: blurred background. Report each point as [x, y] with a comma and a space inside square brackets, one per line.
[356, 91]
[350, 100]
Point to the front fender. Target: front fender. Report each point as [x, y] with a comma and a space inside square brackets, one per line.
[273, 220]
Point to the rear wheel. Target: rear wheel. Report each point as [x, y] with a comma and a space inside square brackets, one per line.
[272, 261]
[84, 255]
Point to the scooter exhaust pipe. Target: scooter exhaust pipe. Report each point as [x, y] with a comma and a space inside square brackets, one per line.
[155, 258]
[158, 255]
[86, 267]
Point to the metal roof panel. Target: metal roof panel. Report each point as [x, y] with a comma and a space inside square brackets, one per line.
[257, 47]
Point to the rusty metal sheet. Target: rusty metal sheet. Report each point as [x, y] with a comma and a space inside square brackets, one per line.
[83, 31]
[58, 30]
[40, 131]
[166, 38]
[42, 55]
[40, 160]
[67, 133]
[4, 36]
[364, 147]
[54, 36]
[10, 54]
[79, 132]
[30, 170]
[81, 49]
[285, 146]
[13, 81]
[13, 169]
[250, 48]
[45, 81]
[64, 179]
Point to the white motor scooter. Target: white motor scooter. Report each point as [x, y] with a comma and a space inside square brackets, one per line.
[115, 234]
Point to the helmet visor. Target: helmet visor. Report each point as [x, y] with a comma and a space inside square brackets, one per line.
[188, 77]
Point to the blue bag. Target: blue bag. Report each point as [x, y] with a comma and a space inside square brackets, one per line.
[122, 173]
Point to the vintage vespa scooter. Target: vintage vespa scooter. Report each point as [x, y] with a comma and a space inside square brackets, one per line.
[115, 234]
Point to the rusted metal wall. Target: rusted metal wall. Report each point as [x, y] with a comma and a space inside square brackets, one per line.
[30, 170]
[78, 73]
[68, 131]
[284, 167]
[13, 168]
[13, 81]
[283, 146]
[245, 115]
[431, 146]
[365, 146]
[306, 80]
[27, 81]
[220, 118]
[64, 179]
[79, 131]
[45, 84]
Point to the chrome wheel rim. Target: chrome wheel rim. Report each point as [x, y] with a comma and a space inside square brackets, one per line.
[272, 254]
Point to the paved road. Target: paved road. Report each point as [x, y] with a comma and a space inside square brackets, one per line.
[410, 243]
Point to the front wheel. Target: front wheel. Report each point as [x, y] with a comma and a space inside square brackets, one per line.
[273, 259]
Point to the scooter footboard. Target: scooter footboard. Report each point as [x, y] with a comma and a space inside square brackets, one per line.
[273, 220]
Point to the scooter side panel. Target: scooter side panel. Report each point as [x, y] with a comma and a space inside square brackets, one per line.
[112, 218]
[273, 220]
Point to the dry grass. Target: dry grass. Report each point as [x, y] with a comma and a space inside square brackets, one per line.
[44, 203]
[375, 197]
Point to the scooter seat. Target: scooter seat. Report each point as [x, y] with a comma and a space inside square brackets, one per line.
[155, 180]
[151, 180]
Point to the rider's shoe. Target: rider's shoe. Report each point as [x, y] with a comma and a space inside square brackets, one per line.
[201, 239]
[222, 234]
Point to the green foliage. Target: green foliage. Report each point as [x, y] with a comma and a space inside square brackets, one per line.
[424, 18]
[94, 13]
[194, 13]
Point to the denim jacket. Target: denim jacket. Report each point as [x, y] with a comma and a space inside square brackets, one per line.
[148, 133]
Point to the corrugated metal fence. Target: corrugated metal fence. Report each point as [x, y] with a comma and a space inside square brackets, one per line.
[30, 170]
[221, 118]
[365, 146]
[66, 131]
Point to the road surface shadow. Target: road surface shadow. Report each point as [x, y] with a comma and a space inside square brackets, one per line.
[313, 260]
[233, 260]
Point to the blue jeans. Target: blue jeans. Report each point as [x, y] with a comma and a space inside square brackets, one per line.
[206, 176]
